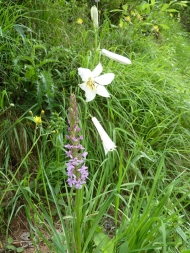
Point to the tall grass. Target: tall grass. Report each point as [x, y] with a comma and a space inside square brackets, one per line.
[137, 198]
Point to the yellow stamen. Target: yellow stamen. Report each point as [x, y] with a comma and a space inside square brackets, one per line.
[90, 83]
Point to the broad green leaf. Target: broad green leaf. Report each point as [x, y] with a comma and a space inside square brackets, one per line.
[164, 26]
[10, 240]
[182, 3]
[164, 7]
[11, 247]
[106, 245]
[145, 6]
[172, 10]
[20, 249]
[125, 7]
[123, 248]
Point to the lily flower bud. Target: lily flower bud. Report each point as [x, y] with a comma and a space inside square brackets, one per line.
[116, 57]
[94, 16]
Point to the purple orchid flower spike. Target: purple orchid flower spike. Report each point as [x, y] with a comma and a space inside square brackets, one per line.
[76, 170]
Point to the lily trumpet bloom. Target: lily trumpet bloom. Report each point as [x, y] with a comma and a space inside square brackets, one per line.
[116, 57]
[94, 82]
[108, 144]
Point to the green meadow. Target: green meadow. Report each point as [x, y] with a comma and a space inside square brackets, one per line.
[135, 196]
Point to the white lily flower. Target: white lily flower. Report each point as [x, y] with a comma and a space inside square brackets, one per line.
[116, 57]
[108, 144]
[94, 16]
[94, 83]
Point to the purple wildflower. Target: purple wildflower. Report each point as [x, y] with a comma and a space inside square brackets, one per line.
[76, 170]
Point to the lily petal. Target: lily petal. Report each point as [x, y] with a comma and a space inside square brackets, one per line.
[97, 71]
[101, 90]
[84, 73]
[82, 86]
[90, 94]
[104, 79]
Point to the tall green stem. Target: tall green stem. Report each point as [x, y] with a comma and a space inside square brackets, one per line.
[118, 188]
[78, 215]
[96, 45]
[96, 39]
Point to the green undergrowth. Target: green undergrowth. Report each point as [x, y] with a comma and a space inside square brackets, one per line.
[136, 198]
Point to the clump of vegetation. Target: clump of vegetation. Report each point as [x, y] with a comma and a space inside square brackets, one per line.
[136, 198]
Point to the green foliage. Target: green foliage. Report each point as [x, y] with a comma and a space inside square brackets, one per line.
[11, 247]
[147, 17]
[136, 198]
[30, 65]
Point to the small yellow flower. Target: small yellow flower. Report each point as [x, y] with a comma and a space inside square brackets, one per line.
[79, 21]
[171, 15]
[133, 13]
[42, 112]
[139, 17]
[38, 120]
[128, 19]
[156, 28]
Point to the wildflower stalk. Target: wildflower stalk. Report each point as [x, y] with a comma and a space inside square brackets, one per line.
[76, 170]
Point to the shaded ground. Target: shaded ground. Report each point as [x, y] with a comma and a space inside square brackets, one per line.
[20, 238]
